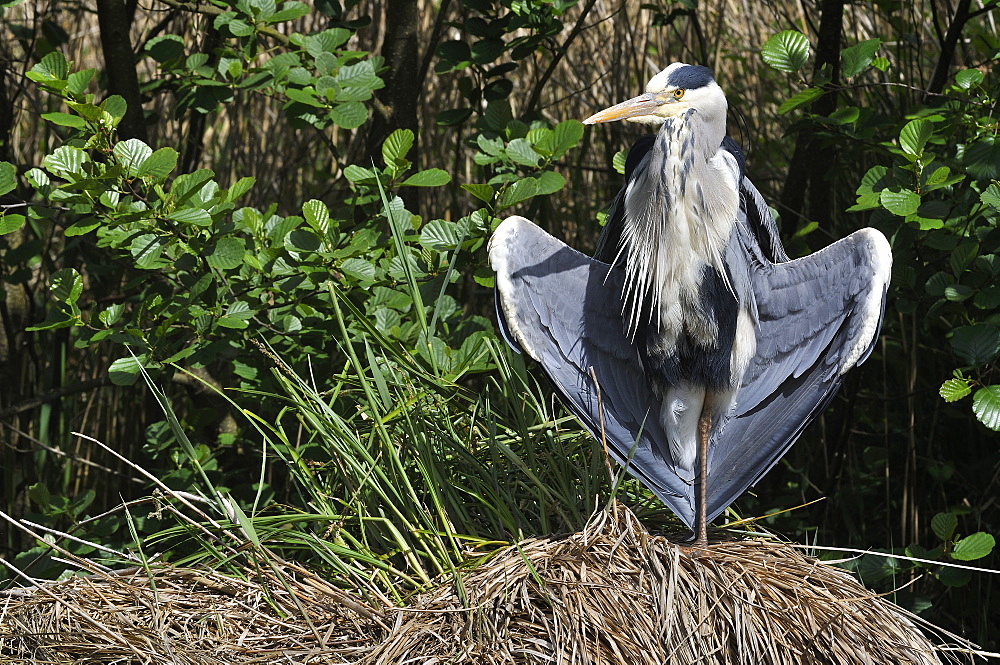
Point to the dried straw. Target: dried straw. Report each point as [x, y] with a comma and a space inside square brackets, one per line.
[612, 593]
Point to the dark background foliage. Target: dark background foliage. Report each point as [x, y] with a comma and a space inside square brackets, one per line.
[223, 194]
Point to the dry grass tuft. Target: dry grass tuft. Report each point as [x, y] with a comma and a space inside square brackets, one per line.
[612, 593]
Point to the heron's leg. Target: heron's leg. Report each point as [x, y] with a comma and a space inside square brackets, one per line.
[704, 434]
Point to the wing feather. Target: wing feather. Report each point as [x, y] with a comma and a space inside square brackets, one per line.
[564, 310]
[818, 317]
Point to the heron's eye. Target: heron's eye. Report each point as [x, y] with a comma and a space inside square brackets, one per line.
[678, 93]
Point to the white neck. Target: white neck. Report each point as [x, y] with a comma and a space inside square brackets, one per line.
[679, 212]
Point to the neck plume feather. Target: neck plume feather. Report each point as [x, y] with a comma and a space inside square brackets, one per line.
[679, 211]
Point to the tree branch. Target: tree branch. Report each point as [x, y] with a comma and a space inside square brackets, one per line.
[53, 395]
[948, 46]
[577, 29]
[119, 62]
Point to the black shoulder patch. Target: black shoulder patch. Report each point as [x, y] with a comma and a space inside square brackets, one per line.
[691, 77]
[736, 151]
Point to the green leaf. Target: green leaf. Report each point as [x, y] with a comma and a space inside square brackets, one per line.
[112, 314]
[317, 215]
[132, 153]
[67, 285]
[880, 63]
[115, 106]
[968, 78]
[963, 255]
[982, 158]
[240, 187]
[902, 203]
[926, 224]
[289, 12]
[914, 135]
[195, 216]
[990, 196]
[305, 96]
[484, 277]
[786, 51]
[158, 165]
[452, 117]
[233, 322]
[233, 68]
[799, 99]
[519, 191]
[66, 160]
[439, 234]
[146, 250]
[186, 185]
[58, 318]
[327, 41]
[37, 178]
[953, 390]
[125, 371]
[549, 182]
[396, 146]
[977, 344]
[943, 525]
[52, 66]
[454, 52]
[360, 175]
[846, 115]
[165, 47]
[8, 178]
[359, 75]
[491, 147]
[958, 292]
[237, 27]
[974, 546]
[65, 120]
[940, 177]
[359, 269]
[228, 254]
[618, 162]
[87, 111]
[480, 191]
[988, 298]
[565, 136]
[301, 240]
[855, 59]
[428, 178]
[873, 180]
[349, 115]
[498, 115]
[10, 223]
[486, 51]
[521, 152]
[240, 310]
[938, 282]
[953, 577]
[986, 406]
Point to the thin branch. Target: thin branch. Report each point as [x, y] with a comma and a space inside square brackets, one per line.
[547, 74]
[211, 10]
[53, 395]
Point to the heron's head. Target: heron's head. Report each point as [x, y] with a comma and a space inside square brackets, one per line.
[671, 93]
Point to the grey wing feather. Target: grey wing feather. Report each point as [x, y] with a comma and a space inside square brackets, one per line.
[818, 316]
[564, 310]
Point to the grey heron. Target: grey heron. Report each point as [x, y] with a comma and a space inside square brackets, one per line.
[711, 350]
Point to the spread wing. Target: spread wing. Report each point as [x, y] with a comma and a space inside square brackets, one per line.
[563, 309]
[818, 316]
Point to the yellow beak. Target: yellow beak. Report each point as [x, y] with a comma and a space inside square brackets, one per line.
[646, 104]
